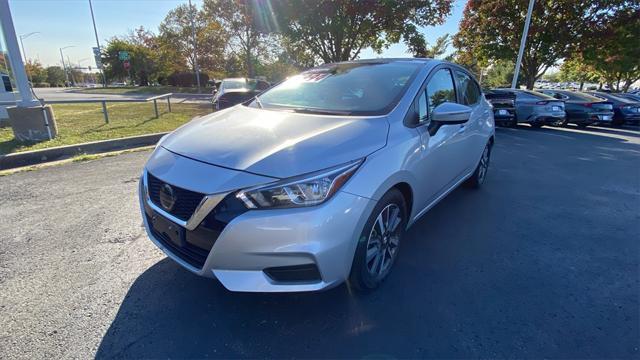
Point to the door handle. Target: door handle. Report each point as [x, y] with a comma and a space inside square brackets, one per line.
[461, 130]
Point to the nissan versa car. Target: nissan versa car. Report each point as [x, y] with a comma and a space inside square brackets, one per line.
[315, 181]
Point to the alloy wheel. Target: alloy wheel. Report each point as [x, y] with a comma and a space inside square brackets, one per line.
[383, 242]
[484, 165]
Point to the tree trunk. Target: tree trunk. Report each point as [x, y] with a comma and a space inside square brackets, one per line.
[530, 82]
[581, 85]
[249, 64]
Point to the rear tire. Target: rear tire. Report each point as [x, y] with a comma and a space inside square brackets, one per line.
[379, 242]
[480, 174]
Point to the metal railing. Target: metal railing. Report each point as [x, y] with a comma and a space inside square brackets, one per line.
[104, 102]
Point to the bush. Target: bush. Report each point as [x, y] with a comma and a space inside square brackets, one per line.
[186, 79]
[41, 85]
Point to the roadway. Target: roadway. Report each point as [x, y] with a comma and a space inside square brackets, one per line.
[540, 263]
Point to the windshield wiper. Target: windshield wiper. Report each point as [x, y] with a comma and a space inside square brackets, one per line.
[319, 111]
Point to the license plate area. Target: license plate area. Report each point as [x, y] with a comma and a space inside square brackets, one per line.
[555, 108]
[169, 230]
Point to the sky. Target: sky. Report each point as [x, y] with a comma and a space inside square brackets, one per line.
[63, 23]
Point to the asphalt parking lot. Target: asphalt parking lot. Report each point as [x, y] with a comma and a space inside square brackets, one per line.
[542, 262]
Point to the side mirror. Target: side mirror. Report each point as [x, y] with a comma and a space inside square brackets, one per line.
[451, 113]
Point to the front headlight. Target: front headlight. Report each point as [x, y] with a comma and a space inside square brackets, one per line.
[305, 190]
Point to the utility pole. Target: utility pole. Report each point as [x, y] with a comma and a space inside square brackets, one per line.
[95, 31]
[73, 78]
[64, 67]
[24, 52]
[523, 43]
[195, 52]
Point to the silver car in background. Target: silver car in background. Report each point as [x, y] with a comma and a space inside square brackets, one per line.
[316, 180]
[536, 109]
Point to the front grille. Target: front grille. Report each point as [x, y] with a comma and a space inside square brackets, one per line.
[186, 200]
[197, 244]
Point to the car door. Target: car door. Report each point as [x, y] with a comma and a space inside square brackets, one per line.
[472, 138]
[442, 161]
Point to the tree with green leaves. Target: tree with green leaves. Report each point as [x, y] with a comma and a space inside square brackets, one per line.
[338, 30]
[492, 30]
[142, 60]
[575, 70]
[175, 39]
[55, 76]
[612, 45]
[249, 26]
[35, 72]
[438, 49]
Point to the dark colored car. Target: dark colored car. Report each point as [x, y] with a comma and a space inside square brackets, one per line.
[630, 96]
[504, 107]
[583, 109]
[625, 110]
[534, 108]
[235, 91]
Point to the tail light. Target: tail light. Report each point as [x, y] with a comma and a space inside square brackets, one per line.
[588, 105]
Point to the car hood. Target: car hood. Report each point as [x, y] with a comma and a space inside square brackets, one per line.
[277, 143]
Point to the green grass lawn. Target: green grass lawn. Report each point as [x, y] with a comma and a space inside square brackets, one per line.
[78, 123]
[152, 90]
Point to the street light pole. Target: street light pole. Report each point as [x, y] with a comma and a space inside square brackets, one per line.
[95, 31]
[195, 52]
[64, 67]
[24, 52]
[523, 42]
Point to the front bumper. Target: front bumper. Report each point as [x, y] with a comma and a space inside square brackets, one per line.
[324, 236]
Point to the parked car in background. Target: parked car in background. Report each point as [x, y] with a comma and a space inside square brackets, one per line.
[234, 91]
[504, 107]
[625, 110]
[315, 181]
[583, 109]
[534, 108]
[630, 96]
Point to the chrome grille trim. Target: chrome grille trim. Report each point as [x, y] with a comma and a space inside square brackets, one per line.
[208, 203]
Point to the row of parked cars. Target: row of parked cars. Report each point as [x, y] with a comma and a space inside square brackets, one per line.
[511, 106]
[561, 107]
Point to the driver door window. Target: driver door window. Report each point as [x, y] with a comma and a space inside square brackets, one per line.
[440, 89]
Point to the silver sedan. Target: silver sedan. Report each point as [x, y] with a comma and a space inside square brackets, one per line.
[315, 181]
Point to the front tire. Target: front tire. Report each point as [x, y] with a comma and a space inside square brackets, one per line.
[379, 242]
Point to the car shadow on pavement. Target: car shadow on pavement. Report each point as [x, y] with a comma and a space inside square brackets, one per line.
[505, 271]
[170, 313]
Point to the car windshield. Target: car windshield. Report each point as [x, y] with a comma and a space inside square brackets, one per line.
[366, 88]
[235, 84]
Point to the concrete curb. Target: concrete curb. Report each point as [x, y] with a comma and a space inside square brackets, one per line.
[27, 158]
